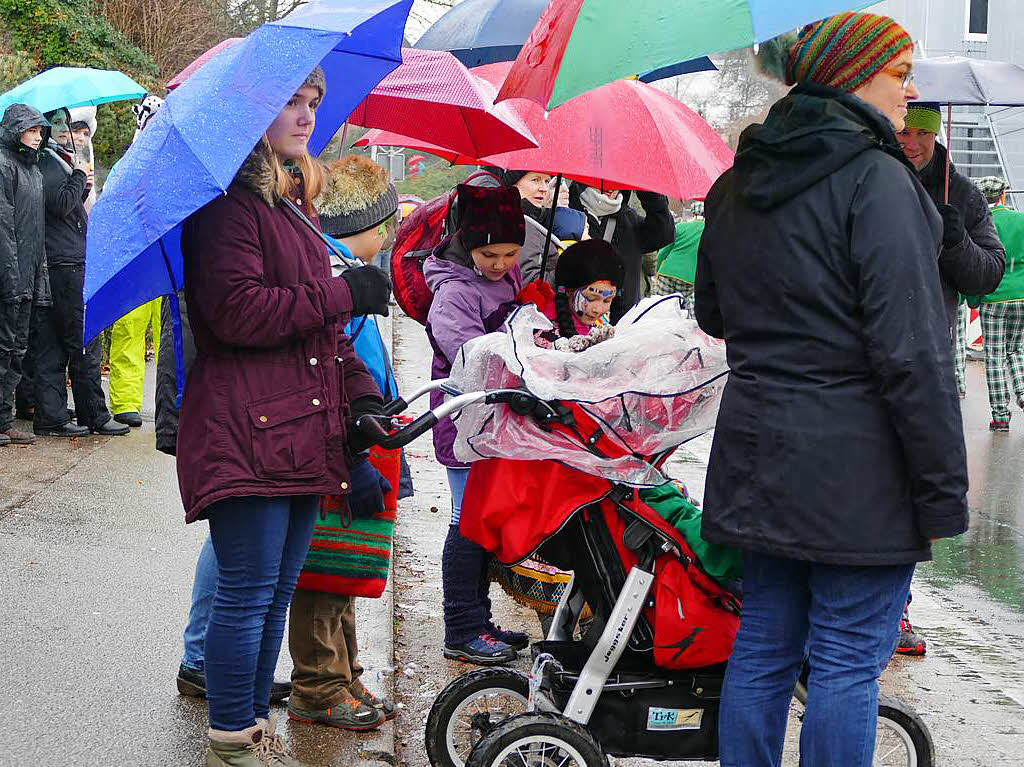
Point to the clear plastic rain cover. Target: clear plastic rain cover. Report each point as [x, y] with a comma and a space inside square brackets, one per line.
[652, 386]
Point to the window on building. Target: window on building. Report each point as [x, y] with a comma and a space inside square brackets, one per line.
[976, 26]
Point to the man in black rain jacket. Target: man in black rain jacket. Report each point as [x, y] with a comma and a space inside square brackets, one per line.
[24, 282]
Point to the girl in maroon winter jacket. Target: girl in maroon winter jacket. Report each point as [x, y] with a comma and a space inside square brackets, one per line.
[262, 430]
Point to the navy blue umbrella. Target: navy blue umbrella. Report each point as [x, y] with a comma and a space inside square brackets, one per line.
[191, 150]
[481, 32]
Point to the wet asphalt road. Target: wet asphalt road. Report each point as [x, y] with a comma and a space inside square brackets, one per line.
[97, 567]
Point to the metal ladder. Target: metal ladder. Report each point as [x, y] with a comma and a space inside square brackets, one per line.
[973, 146]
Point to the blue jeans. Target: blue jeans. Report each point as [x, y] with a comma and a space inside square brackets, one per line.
[457, 479]
[842, 619]
[204, 586]
[261, 545]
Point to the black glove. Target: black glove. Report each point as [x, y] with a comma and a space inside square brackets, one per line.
[366, 497]
[357, 443]
[370, 288]
[953, 232]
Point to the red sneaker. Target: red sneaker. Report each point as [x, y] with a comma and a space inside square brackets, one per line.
[910, 643]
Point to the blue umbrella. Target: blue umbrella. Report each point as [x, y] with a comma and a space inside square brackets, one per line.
[481, 32]
[191, 150]
[72, 87]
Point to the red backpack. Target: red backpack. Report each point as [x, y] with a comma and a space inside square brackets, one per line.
[417, 236]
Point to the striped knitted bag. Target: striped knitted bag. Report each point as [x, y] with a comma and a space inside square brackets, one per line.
[351, 560]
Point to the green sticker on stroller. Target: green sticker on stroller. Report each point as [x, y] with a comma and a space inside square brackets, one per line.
[669, 719]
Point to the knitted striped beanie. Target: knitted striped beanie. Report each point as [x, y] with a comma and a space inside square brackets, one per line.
[846, 50]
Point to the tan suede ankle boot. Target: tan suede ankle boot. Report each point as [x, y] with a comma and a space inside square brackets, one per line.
[256, 746]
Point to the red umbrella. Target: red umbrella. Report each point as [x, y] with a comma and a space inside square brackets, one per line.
[433, 97]
[191, 69]
[624, 135]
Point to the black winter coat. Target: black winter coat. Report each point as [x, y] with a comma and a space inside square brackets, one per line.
[167, 374]
[839, 438]
[975, 266]
[634, 236]
[66, 219]
[23, 273]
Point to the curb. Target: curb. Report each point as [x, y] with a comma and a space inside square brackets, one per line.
[387, 599]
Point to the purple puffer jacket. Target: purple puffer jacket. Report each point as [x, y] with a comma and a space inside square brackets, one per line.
[465, 305]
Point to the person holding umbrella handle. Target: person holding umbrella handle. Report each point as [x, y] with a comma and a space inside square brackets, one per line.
[263, 430]
[972, 259]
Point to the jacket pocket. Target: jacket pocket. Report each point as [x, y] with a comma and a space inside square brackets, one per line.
[288, 435]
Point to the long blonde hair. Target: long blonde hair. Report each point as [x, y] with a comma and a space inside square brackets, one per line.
[312, 177]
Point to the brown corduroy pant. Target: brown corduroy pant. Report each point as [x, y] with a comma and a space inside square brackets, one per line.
[322, 641]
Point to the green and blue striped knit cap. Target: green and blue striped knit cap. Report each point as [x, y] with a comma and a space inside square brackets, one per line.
[846, 50]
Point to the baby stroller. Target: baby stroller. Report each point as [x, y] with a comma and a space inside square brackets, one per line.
[645, 679]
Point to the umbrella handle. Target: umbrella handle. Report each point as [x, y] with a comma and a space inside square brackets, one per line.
[949, 149]
[551, 225]
[344, 135]
[312, 227]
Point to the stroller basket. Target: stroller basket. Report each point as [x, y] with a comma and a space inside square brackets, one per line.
[639, 713]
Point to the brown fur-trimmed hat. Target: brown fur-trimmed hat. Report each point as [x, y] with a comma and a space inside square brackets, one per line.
[358, 196]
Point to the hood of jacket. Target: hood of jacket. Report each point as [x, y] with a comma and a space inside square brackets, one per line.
[16, 120]
[257, 173]
[808, 135]
[449, 261]
[60, 154]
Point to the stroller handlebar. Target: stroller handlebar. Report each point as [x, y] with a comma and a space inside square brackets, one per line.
[380, 429]
[399, 405]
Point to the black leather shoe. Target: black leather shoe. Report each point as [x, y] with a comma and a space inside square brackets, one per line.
[111, 429]
[67, 430]
[193, 683]
[129, 419]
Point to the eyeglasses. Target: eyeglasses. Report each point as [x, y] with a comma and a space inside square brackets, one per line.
[905, 77]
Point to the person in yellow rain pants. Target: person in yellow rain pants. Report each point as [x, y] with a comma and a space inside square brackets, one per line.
[128, 361]
[128, 334]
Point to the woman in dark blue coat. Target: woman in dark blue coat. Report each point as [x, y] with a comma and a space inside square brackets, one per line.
[838, 453]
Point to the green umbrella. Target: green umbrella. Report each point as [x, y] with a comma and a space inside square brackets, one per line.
[72, 87]
[578, 45]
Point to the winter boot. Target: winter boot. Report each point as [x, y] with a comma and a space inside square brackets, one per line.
[256, 746]
[16, 437]
[910, 643]
[385, 706]
[132, 419]
[192, 682]
[349, 713]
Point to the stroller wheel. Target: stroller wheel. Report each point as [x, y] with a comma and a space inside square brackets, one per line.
[538, 739]
[902, 739]
[470, 707]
